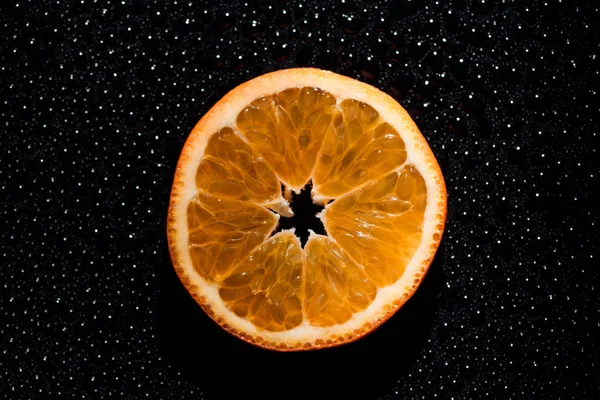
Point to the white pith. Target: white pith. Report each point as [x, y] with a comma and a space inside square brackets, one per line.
[227, 114]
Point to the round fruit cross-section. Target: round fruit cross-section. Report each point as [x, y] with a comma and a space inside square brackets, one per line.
[367, 163]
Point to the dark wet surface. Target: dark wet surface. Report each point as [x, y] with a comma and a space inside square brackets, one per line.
[97, 99]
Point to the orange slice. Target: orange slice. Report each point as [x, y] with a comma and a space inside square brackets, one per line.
[366, 161]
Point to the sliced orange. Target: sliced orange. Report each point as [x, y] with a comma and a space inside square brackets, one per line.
[367, 162]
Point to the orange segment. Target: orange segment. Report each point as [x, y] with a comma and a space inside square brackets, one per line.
[336, 287]
[288, 128]
[229, 169]
[222, 232]
[266, 288]
[381, 225]
[360, 148]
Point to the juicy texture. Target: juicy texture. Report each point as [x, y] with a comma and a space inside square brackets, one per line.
[380, 225]
[223, 232]
[288, 128]
[374, 223]
[336, 287]
[266, 287]
[360, 148]
[231, 170]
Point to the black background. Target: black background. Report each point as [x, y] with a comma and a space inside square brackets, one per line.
[97, 99]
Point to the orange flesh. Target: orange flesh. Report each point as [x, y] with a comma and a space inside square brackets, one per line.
[380, 225]
[230, 170]
[362, 147]
[223, 232]
[336, 287]
[288, 128]
[266, 288]
[374, 223]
